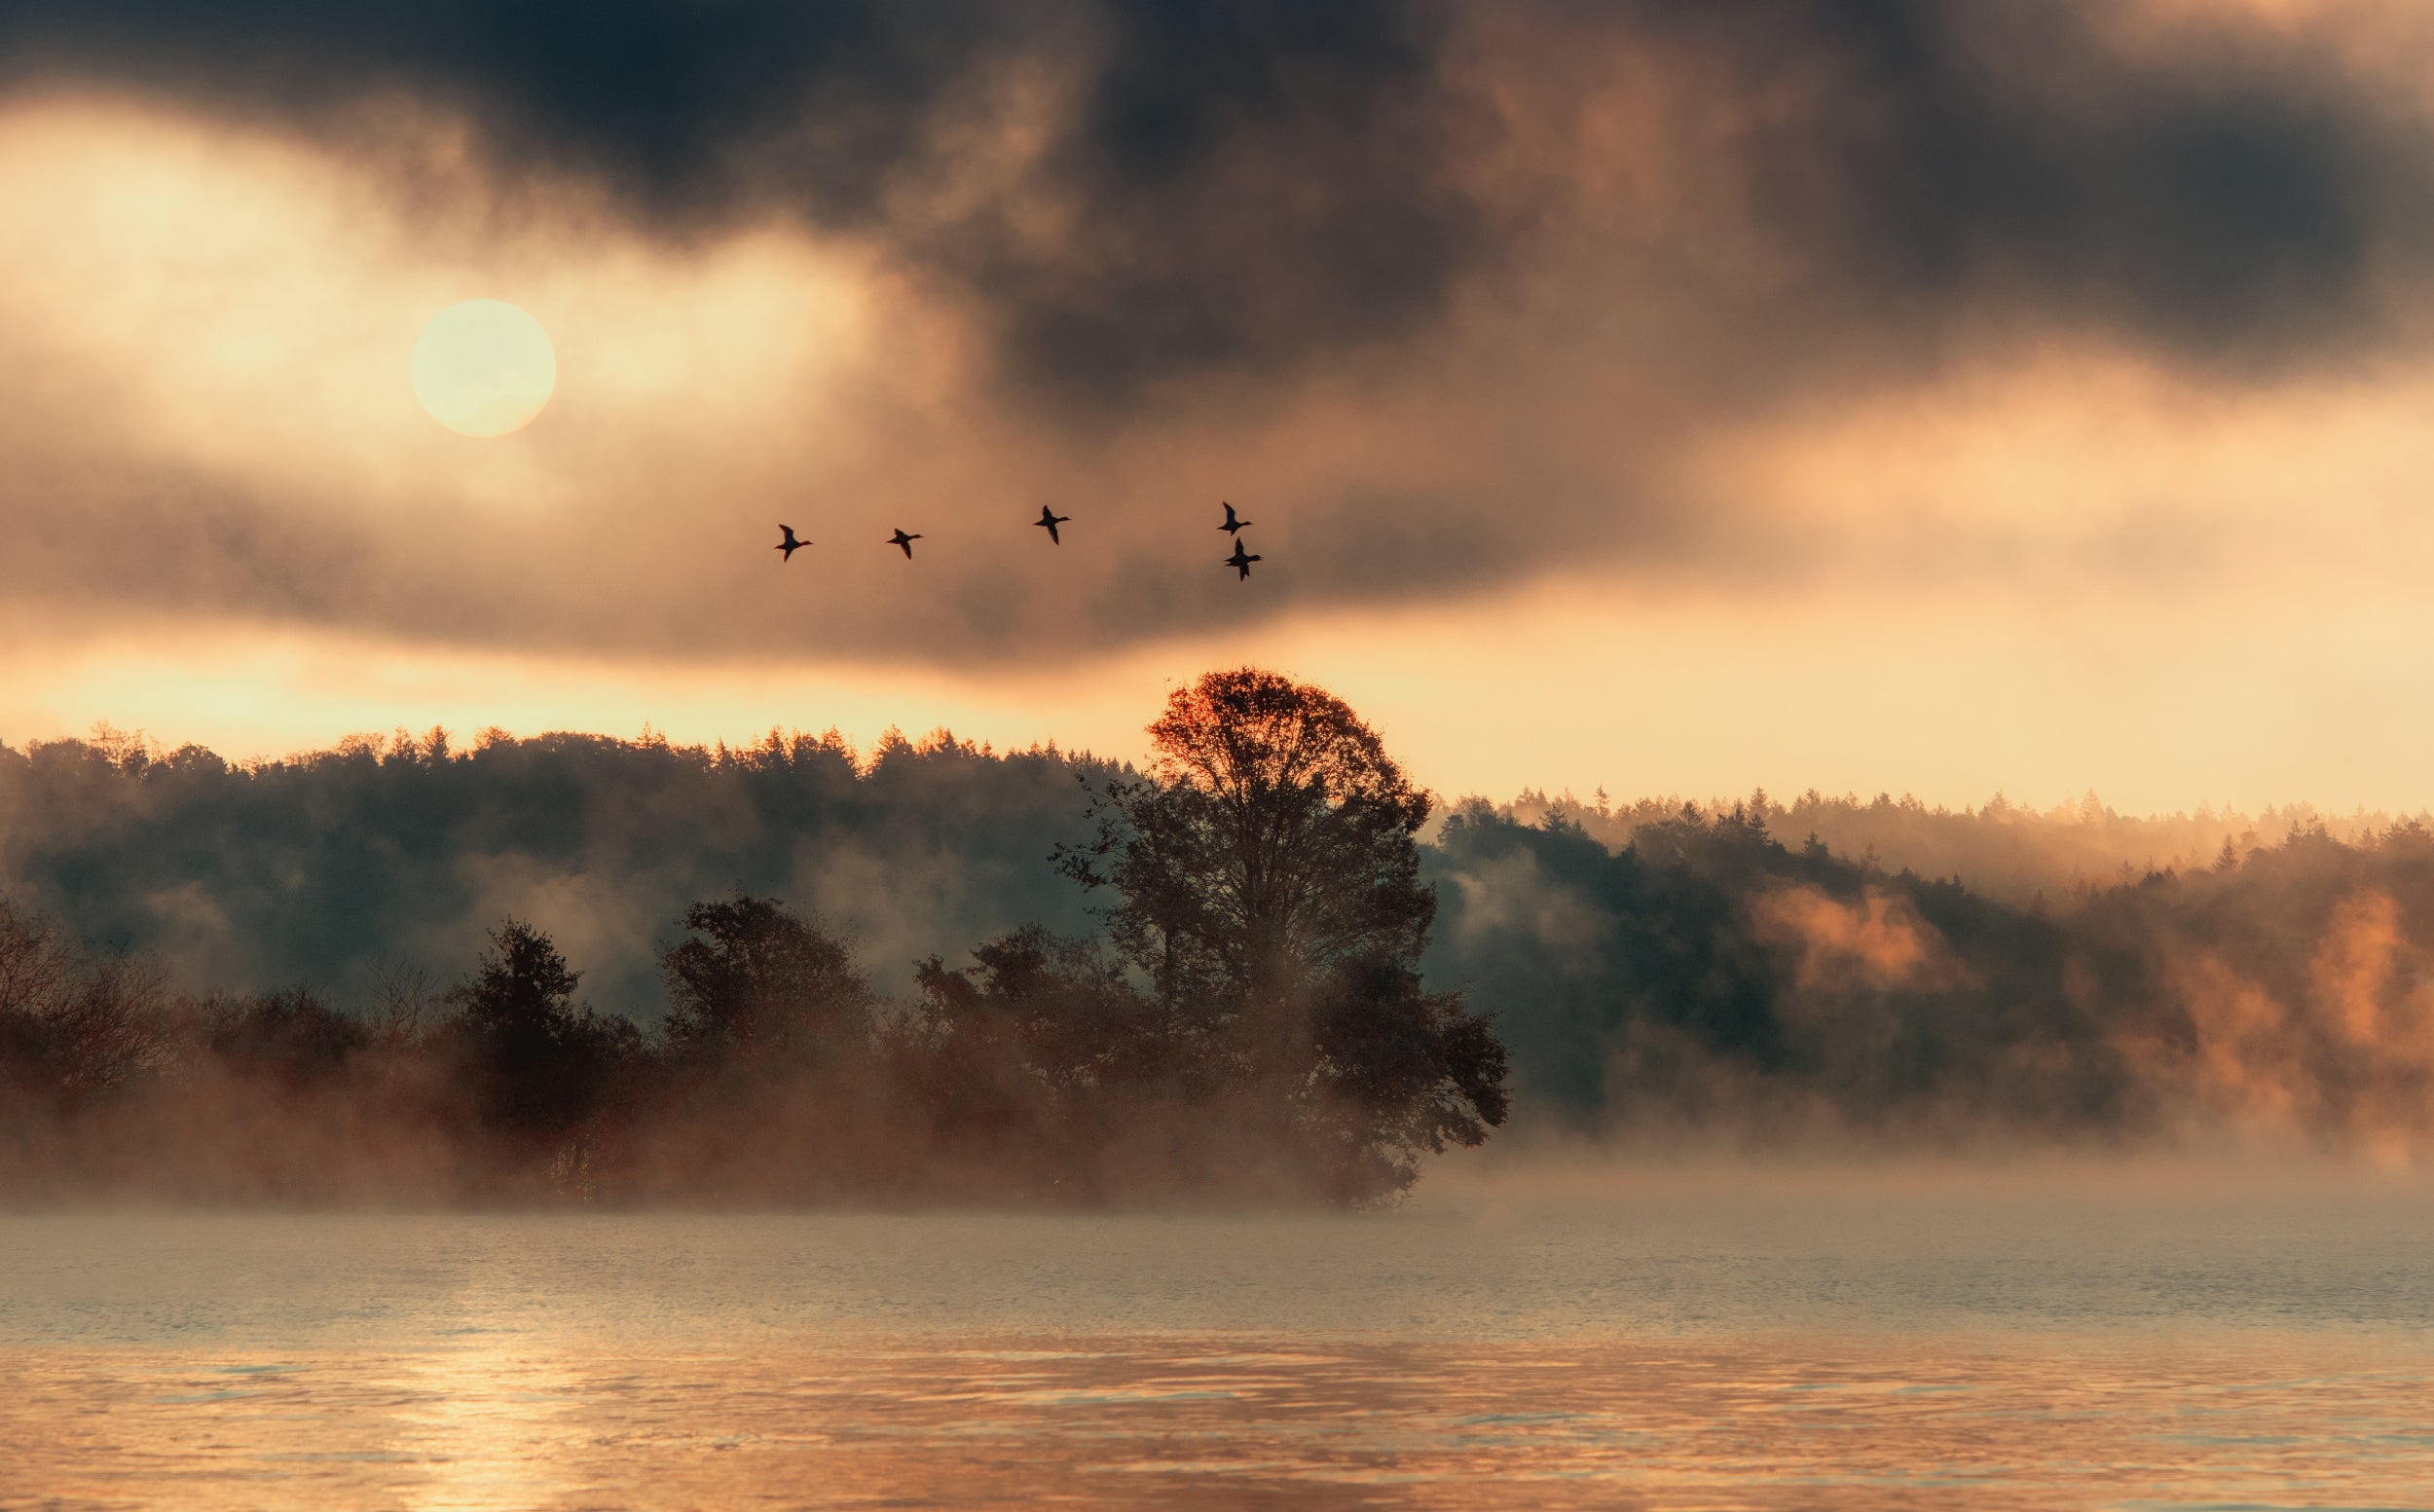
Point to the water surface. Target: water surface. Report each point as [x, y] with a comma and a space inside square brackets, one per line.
[1702, 1345]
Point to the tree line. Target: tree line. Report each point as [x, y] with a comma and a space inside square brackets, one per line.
[1251, 1023]
[342, 869]
[1709, 981]
[1711, 973]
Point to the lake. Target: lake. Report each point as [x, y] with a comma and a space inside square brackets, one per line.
[1684, 1338]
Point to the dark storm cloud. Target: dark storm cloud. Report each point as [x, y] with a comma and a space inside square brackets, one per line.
[2225, 195]
[1249, 184]
[1272, 179]
[660, 97]
[1246, 182]
[1173, 223]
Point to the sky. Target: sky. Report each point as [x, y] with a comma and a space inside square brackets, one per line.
[1672, 396]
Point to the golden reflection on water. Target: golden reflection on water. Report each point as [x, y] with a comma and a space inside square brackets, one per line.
[488, 1427]
[518, 1421]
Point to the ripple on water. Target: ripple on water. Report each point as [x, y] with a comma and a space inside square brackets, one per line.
[1578, 1360]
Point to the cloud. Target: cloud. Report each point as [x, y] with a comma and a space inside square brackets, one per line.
[2225, 192]
[1449, 299]
[1126, 189]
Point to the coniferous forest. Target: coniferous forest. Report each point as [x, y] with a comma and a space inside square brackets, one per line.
[1263, 966]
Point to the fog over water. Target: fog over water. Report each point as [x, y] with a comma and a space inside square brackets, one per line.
[1523, 1336]
[1489, 1250]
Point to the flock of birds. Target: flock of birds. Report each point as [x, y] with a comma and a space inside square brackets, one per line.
[1048, 521]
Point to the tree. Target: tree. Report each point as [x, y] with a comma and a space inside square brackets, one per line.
[293, 1037]
[755, 979]
[545, 1064]
[1270, 840]
[73, 1027]
[1058, 1011]
[1268, 868]
[1405, 1070]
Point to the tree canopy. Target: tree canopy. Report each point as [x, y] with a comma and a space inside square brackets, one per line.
[1272, 840]
[1268, 871]
[543, 1061]
[750, 975]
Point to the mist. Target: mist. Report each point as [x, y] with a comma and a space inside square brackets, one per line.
[247, 981]
[1924, 403]
[1023, 1066]
[1740, 991]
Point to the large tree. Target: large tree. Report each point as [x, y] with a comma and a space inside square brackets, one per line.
[1270, 840]
[1267, 866]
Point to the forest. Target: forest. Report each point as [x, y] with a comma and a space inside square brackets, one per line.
[1710, 980]
[1249, 1023]
[581, 969]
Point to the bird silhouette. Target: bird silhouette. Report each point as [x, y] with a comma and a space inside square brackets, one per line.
[1231, 524]
[905, 542]
[789, 545]
[1241, 560]
[1048, 520]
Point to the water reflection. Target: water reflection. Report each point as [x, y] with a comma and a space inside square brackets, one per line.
[1697, 1354]
[1162, 1421]
[481, 1424]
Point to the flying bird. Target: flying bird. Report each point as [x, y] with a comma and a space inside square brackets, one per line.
[1048, 520]
[1241, 560]
[1231, 524]
[904, 542]
[789, 545]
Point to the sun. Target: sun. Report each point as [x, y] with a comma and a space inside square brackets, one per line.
[484, 368]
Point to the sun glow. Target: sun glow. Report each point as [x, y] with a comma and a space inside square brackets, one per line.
[484, 368]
